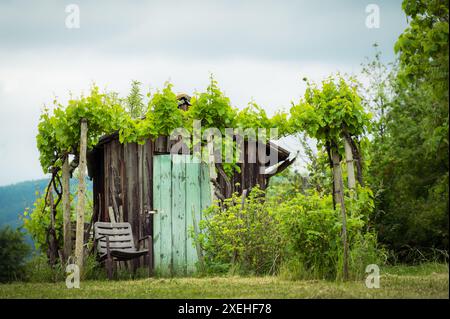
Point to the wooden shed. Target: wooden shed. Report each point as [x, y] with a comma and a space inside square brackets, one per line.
[162, 194]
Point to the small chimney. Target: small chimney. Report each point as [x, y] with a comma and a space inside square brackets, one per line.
[183, 101]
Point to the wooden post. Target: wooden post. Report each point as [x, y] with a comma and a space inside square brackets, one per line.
[339, 194]
[52, 246]
[67, 227]
[81, 196]
[350, 168]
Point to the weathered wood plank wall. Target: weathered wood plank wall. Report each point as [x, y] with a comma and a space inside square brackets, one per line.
[122, 181]
[249, 176]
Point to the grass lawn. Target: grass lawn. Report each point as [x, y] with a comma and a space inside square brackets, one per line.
[424, 281]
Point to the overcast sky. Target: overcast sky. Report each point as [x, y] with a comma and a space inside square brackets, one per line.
[256, 49]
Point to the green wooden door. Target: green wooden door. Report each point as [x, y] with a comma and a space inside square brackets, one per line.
[181, 191]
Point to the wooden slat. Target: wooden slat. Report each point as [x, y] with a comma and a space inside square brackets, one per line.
[178, 214]
[112, 232]
[205, 201]
[117, 244]
[117, 237]
[127, 254]
[123, 190]
[106, 184]
[135, 204]
[107, 225]
[139, 199]
[205, 193]
[165, 215]
[157, 207]
[149, 191]
[193, 207]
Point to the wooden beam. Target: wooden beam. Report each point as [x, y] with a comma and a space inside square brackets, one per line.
[339, 194]
[79, 243]
[67, 231]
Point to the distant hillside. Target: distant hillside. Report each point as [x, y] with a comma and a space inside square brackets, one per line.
[16, 197]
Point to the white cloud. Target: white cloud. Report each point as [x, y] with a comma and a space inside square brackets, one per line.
[258, 50]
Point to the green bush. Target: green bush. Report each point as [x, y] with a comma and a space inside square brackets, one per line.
[312, 232]
[13, 251]
[241, 239]
[39, 270]
[36, 221]
[298, 237]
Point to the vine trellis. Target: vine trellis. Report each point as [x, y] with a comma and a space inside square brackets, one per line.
[331, 113]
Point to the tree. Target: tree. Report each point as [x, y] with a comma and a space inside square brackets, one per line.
[410, 148]
[13, 250]
[330, 114]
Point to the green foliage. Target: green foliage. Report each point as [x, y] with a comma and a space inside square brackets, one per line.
[325, 113]
[59, 129]
[164, 112]
[46, 140]
[212, 108]
[301, 233]
[409, 152]
[135, 104]
[38, 270]
[240, 238]
[59, 133]
[253, 116]
[288, 183]
[13, 251]
[280, 120]
[311, 230]
[36, 221]
[423, 46]
[163, 115]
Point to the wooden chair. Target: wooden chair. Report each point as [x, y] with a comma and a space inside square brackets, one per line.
[114, 242]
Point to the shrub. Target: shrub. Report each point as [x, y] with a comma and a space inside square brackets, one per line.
[298, 237]
[164, 113]
[13, 251]
[312, 232]
[240, 238]
[39, 270]
[36, 221]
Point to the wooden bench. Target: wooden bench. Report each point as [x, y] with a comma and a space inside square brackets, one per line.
[115, 242]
